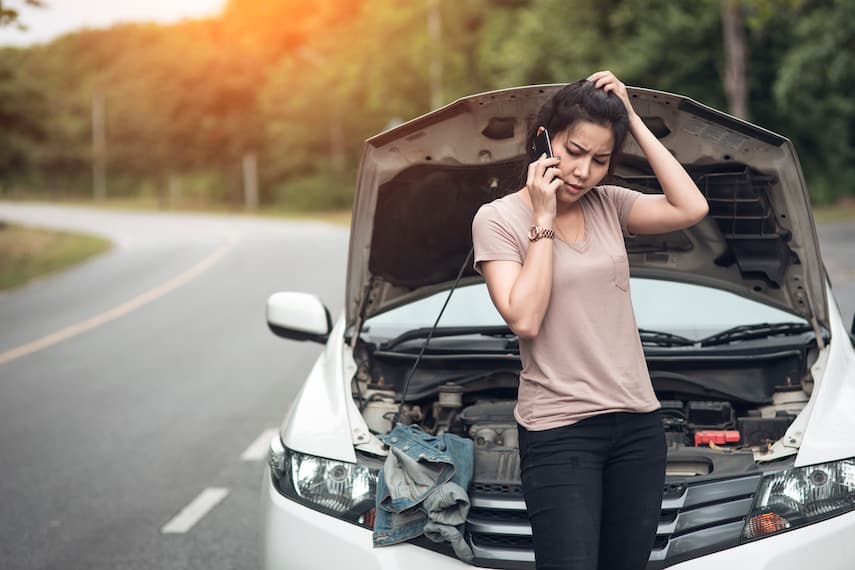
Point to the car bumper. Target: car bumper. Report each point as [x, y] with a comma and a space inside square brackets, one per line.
[827, 545]
[294, 537]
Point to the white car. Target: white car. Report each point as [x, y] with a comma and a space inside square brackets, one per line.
[744, 343]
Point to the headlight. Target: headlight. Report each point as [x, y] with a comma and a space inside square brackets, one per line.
[344, 490]
[801, 496]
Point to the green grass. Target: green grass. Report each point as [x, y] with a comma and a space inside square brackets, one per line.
[147, 204]
[843, 211]
[27, 253]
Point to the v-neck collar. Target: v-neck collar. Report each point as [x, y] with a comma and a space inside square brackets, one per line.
[582, 243]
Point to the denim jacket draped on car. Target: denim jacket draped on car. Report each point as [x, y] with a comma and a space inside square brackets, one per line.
[422, 488]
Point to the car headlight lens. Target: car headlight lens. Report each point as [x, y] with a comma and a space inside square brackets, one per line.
[345, 490]
[800, 496]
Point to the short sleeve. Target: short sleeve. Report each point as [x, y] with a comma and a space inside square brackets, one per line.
[623, 199]
[492, 238]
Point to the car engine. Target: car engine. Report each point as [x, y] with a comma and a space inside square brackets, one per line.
[715, 419]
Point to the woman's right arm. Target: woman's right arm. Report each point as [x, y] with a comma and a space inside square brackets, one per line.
[521, 292]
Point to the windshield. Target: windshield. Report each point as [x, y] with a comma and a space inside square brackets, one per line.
[691, 311]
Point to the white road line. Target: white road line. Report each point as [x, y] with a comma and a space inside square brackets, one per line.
[193, 513]
[120, 310]
[257, 450]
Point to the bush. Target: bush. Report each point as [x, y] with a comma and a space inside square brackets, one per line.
[315, 192]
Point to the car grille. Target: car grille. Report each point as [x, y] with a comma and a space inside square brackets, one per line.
[697, 518]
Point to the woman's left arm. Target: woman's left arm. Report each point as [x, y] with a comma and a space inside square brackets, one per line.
[682, 204]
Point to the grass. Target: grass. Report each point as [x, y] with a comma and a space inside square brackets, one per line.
[27, 253]
[842, 211]
[147, 204]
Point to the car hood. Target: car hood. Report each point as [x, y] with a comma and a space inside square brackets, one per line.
[420, 184]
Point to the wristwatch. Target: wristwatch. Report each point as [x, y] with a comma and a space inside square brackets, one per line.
[537, 232]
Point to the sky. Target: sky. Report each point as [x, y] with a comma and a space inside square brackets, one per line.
[61, 16]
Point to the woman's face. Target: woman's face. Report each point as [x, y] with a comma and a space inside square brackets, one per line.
[585, 149]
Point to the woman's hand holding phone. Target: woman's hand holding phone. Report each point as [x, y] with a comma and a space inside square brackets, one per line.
[543, 180]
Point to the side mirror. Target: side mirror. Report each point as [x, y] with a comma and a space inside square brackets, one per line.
[298, 316]
[852, 331]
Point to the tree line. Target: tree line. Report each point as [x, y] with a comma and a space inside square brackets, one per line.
[179, 112]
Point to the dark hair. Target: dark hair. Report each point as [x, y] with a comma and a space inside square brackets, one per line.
[581, 101]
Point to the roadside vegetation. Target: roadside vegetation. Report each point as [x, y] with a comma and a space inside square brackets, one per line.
[267, 104]
[338, 216]
[27, 253]
[842, 211]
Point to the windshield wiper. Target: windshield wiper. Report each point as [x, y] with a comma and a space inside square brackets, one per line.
[759, 330]
[497, 331]
[663, 338]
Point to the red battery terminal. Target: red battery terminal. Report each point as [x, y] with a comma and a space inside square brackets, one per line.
[716, 436]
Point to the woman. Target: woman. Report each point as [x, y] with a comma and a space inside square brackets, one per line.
[592, 443]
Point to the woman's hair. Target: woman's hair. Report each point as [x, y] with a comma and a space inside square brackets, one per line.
[581, 101]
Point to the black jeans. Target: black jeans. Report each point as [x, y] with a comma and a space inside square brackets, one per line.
[593, 491]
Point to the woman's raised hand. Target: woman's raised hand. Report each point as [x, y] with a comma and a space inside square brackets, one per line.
[543, 182]
[608, 82]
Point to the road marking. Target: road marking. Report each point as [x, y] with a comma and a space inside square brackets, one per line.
[193, 513]
[257, 450]
[120, 310]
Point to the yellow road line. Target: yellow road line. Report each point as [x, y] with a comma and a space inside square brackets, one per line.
[120, 310]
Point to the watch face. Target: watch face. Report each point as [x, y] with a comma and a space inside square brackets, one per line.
[532, 233]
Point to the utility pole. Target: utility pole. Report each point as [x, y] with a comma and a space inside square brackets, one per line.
[99, 149]
[434, 24]
[736, 57]
[250, 181]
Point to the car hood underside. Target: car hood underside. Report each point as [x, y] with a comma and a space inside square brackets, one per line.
[420, 184]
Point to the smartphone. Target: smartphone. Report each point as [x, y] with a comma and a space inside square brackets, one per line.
[541, 144]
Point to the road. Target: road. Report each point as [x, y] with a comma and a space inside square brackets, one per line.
[136, 383]
[165, 376]
[837, 245]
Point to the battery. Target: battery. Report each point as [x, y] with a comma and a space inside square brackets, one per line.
[705, 415]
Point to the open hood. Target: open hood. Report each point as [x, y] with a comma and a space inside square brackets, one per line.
[420, 184]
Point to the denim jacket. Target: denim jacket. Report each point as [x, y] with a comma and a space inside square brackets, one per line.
[422, 488]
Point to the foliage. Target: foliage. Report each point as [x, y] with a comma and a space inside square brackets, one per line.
[813, 89]
[10, 12]
[301, 86]
[22, 108]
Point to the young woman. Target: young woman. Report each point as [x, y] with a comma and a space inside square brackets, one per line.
[592, 442]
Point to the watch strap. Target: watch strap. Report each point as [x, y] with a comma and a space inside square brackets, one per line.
[536, 232]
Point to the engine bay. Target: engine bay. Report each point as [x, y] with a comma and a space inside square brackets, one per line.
[721, 409]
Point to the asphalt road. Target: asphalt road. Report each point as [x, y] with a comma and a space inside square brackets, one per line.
[108, 434]
[141, 379]
[837, 245]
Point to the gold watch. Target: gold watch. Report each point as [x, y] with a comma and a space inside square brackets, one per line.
[537, 232]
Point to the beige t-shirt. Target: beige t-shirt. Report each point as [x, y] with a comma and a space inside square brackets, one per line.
[587, 358]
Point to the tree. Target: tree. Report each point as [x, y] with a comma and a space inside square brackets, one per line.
[302, 86]
[10, 13]
[663, 44]
[813, 90]
[22, 106]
